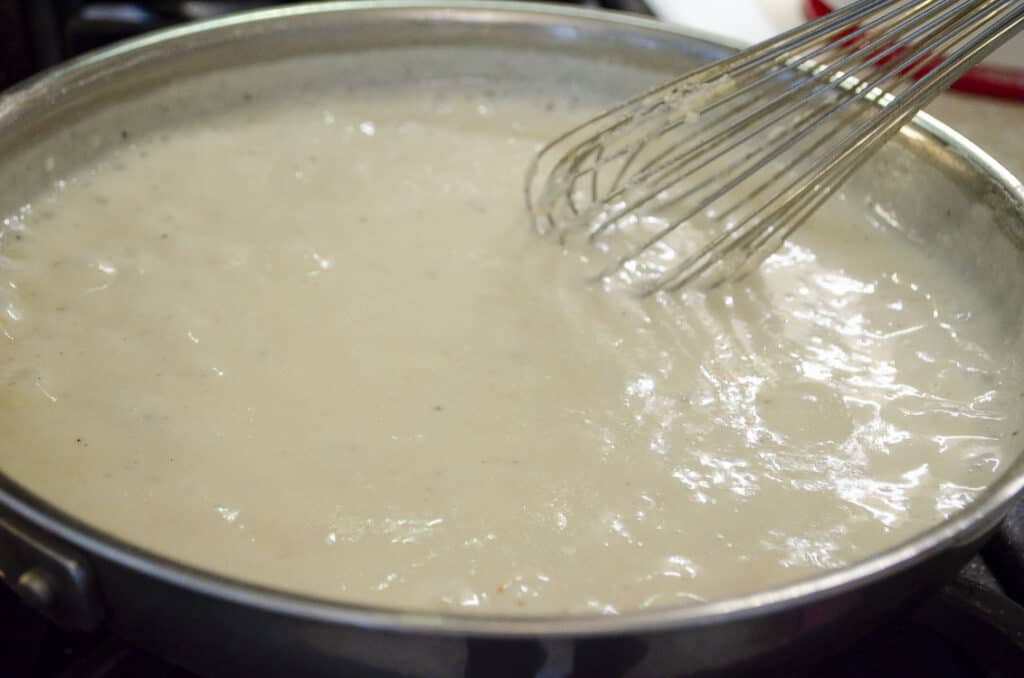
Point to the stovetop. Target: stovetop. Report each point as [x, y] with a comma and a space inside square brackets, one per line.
[971, 628]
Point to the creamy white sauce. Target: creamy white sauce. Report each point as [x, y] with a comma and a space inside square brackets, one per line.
[318, 347]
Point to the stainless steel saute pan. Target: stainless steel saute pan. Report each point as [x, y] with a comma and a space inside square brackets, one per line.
[957, 200]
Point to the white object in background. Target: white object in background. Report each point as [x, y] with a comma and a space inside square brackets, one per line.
[746, 20]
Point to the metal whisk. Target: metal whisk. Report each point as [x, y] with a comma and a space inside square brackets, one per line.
[742, 151]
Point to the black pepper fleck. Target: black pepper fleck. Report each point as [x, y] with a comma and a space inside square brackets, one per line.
[124, 135]
[438, 408]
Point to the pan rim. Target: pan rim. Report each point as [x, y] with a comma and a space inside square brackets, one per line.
[962, 528]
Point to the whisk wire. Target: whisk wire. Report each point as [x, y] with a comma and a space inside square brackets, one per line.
[746, 149]
[809, 198]
[652, 176]
[792, 140]
[738, 64]
[771, 73]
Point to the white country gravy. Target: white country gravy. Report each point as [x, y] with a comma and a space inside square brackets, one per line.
[312, 342]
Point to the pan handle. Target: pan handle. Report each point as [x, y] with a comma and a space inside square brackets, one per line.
[48, 576]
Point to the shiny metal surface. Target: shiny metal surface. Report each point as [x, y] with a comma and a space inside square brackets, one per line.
[212, 623]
